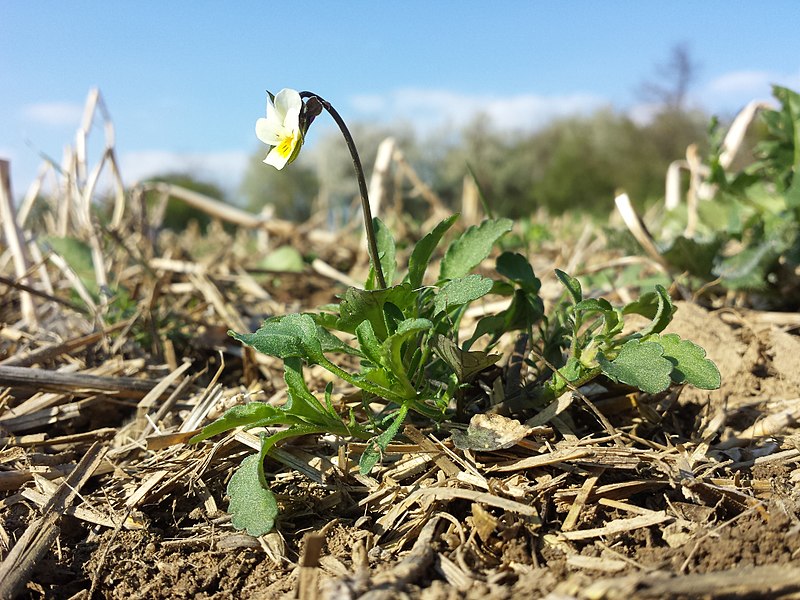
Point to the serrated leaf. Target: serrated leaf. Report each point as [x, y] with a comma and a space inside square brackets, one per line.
[474, 245]
[640, 364]
[377, 446]
[572, 284]
[423, 250]
[293, 335]
[465, 364]
[690, 364]
[253, 506]
[460, 291]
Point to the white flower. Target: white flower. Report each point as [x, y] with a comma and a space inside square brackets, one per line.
[281, 128]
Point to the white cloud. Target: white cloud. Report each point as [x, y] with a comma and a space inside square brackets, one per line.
[643, 113]
[54, 113]
[738, 87]
[425, 108]
[224, 168]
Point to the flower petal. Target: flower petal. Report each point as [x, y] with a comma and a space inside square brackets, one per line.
[275, 159]
[288, 104]
[269, 132]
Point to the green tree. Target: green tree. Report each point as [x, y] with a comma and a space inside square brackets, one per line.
[292, 193]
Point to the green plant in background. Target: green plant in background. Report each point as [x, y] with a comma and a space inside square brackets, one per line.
[748, 235]
[403, 329]
[646, 359]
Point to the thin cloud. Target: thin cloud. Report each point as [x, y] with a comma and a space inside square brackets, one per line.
[54, 113]
[425, 108]
[745, 85]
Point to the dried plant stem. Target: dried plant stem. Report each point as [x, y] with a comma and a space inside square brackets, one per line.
[16, 244]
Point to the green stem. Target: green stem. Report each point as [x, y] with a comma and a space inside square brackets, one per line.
[362, 186]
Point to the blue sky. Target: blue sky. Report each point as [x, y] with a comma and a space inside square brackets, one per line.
[184, 82]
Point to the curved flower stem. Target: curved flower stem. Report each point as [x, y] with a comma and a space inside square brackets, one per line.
[362, 186]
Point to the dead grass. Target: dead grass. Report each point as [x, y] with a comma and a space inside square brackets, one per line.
[683, 494]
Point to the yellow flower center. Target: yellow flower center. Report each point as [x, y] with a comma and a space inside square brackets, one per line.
[287, 145]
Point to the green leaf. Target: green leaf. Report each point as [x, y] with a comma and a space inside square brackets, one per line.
[377, 446]
[460, 291]
[465, 364]
[663, 314]
[572, 284]
[594, 305]
[690, 364]
[286, 336]
[494, 324]
[693, 255]
[393, 349]
[516, 267]
[524, 311]
[370, 345]
[253, 414]
[302, 403]
[640, 364]
[646, 305]
[386, 254]
[360, 305]
[253, 506]
[283, 258]
[474, 245]
[331, 343]
[748, 269]
[78, 255]
[423, 250]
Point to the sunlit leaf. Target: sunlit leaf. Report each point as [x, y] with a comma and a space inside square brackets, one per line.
[572, 284]
[293, 335]
[463, 290]
[386, 254]
[640, 364]
[253, 506]
[474, 245]
[690, 364]
[423, 250]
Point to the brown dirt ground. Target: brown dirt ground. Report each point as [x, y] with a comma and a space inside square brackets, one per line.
[743, 513]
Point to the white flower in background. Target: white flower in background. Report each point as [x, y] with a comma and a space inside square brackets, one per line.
[281, 128]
